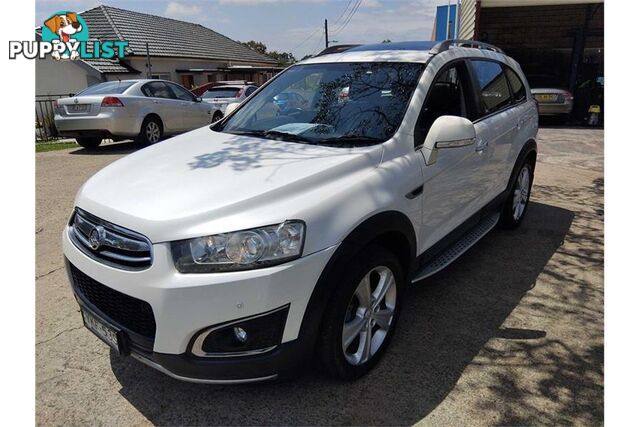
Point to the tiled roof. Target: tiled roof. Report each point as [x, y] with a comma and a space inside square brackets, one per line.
[166, 37]
[110, 65]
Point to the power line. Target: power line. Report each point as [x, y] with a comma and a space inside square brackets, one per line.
[337, 21]
[353, 12]
[307, 39]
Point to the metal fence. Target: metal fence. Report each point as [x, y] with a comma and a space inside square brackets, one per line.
[45, 126]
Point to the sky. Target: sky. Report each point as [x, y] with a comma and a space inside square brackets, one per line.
[294, 26]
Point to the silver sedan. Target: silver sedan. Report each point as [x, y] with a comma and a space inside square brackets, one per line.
[145, 110]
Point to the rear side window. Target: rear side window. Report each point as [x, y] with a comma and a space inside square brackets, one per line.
[107, 88]
[157, 90]
[492, 82]
[517, 87]
[182, 93]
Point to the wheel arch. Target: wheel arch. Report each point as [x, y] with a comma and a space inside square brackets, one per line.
[154, 116]
[390, 229]
[529, 152]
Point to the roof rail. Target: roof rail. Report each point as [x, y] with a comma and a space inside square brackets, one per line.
[447, 44]
[339, 48]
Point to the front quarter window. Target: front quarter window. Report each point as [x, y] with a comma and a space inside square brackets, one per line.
[337, 103]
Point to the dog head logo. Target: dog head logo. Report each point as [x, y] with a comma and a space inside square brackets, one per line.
[65, 27]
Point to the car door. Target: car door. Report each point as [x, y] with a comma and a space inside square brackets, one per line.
[194, 114]
[497, 126]
[453, 185]
[165, 105]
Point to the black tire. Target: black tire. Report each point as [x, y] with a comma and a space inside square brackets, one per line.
[340, 306]
[89, 143]
[512, 214]
[151, 131]
[217, 116]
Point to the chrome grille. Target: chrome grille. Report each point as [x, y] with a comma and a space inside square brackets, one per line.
[109, 243]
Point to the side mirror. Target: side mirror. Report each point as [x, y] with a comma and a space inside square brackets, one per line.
[230, 108]
[448, 132]
[198, 99]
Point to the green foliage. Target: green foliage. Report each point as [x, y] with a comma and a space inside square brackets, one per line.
[53, 146]
[284, 58]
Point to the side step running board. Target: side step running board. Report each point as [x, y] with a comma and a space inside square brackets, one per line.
[452, 253]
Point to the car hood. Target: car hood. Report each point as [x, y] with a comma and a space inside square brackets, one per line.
[186, 185]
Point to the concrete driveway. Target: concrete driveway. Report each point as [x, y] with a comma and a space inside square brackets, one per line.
[511, 333]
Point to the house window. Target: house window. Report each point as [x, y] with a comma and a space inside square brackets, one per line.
[161, 76]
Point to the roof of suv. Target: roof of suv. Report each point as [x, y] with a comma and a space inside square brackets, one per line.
[409, 51]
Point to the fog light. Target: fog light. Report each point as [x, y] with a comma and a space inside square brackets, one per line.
[241, 334]
[260, 333]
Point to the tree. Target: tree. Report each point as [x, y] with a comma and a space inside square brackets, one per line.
[257, 46]
[283, 58]
[386, 41]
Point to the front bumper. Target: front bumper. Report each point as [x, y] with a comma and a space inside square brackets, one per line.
[185, 304]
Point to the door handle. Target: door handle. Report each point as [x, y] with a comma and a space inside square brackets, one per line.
[157, 102]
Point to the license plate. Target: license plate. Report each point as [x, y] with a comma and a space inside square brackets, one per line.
[107, 333]
[547, 98]
[78, 108]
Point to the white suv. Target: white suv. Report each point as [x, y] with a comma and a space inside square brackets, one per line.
[239, 251]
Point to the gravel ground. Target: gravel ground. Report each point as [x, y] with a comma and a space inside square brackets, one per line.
[511, 333]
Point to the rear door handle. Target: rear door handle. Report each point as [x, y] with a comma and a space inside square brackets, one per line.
[157, 102]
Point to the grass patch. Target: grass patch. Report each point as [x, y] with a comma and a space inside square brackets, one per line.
[53, 146]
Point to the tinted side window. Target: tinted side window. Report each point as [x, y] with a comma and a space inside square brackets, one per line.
[517, 87]
[447, 97]
[492, 82]
[157, 90]
[181, 93]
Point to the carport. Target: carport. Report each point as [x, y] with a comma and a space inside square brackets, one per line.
[554, 41]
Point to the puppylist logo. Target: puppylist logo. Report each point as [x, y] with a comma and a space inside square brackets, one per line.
[65, 35]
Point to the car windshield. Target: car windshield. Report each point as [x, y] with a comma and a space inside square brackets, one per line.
[340, 103]
[222, 92]
[107, 88]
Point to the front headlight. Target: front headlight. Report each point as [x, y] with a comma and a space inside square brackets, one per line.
[240, 250]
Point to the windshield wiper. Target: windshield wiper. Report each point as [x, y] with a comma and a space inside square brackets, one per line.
[272, 134]
[350, 139]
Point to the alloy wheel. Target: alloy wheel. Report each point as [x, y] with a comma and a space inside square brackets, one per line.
[152, 132]
[521, 193]
[369, 315]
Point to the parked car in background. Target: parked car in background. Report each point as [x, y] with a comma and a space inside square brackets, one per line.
[145, 110]
[225, 93]
[553, 99]
[248, 247]
[289, 101]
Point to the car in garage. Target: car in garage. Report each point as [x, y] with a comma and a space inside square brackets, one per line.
[240, 251]
[146, 110]
[553, 99]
